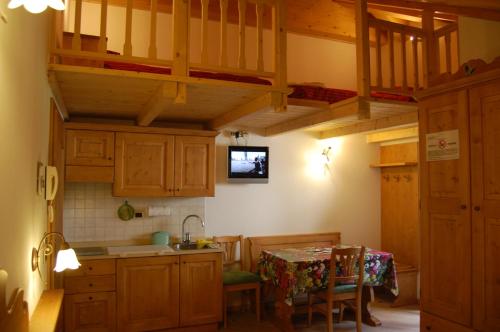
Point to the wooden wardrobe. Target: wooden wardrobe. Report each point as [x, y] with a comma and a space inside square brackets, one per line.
[460, 203]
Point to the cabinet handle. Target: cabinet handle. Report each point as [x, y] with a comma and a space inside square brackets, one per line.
[477, 208]
[177, 189]
[176, 263]
[428, 327]
[463, 207]
[170, 190]
[109, 158]
[91, 285]
[90, 268]
[90, 298]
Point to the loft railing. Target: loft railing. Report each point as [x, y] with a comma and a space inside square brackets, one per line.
[181, 46]
[403, 44]
[446, 39]
[404, 58]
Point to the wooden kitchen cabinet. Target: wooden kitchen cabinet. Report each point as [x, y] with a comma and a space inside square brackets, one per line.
[164, 165]
[194, 166]
[90, 148]
[460, 207]
[144, 165]
[90, 300]
[90, 312]
[200, 289]
[148, 293]
[90, 156]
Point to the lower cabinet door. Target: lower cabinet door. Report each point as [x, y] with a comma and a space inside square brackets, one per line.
[148, 293]
[201, 289]
[94, 312]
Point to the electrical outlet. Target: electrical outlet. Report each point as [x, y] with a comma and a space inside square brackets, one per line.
[141, 213]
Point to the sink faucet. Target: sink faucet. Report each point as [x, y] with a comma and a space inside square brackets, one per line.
[186, 237]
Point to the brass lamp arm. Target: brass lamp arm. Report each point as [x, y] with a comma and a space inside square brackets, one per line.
[47, 246]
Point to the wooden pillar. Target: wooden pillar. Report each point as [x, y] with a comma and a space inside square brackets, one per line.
[279, 22]
[280, 66]
[430, 47]
[362, 48]
[181, 37]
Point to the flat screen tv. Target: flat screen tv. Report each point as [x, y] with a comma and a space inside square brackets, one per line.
[248, 164]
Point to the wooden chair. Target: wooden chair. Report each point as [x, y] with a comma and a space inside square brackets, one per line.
[340, 288]
[235, 278]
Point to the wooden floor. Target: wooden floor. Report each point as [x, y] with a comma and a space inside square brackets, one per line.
[405, 319]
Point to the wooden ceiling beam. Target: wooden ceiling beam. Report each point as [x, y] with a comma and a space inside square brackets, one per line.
[160, 100]
[391, 135]
[484, 9]
[345, 108]
[375, 124]
[258, 104]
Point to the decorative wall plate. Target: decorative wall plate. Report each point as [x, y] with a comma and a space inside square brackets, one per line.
[126, 211]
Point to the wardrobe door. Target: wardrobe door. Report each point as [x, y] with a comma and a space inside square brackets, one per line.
[445, 210]
[485, 163]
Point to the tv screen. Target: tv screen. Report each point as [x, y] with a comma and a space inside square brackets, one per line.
[248, 164]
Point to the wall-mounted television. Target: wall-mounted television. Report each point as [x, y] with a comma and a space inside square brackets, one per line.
[248, 164]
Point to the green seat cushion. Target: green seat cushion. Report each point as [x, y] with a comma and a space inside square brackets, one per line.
[344, 289]
[239, 277]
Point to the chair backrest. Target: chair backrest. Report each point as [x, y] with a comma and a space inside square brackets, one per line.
[229, 244]
[351, 263]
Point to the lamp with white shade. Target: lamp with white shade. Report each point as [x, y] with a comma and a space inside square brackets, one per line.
[66, 257]
[37, 6]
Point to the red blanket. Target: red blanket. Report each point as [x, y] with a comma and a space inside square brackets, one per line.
[299, 91]
[335, 95]
[192, 73]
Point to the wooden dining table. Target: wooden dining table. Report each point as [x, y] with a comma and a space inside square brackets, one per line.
[293, 271]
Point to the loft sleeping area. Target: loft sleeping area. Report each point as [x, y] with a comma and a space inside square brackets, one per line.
[219, 63]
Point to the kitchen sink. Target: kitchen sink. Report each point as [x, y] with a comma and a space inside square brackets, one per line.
[185, 246]
[139, 250]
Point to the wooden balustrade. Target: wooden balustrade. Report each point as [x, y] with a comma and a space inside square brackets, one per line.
[181, 23]
[387, 35]
[449, 34]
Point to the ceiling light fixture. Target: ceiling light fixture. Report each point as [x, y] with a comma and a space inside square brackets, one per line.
[36, 6]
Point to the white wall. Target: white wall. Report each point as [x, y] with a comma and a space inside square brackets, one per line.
[478, 39]
[300, 196]
[24, 123]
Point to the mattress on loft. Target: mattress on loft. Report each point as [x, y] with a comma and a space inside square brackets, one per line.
[300, 91]
[192, 73]
[330, 95]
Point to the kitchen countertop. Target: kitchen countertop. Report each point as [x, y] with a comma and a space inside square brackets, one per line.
[168, 252]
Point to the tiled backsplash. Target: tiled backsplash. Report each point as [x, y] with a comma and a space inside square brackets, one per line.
[90, 214]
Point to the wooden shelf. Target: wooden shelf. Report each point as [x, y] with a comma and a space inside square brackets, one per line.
[406, 163]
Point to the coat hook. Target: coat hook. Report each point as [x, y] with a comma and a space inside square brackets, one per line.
[407, 177]
[396, 177]
[386, 177]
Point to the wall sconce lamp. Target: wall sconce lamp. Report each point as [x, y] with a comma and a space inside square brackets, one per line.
[326, 154]
[66, 257]
[37, 6]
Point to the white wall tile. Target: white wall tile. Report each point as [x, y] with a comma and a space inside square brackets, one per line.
[91, 215]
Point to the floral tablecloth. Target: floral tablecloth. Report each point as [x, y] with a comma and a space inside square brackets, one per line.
[298, 270]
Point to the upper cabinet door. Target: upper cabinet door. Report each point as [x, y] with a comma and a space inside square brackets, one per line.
[89, 148]
[194, 166]
[144, 165]
[485, 159]
[445, 217]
